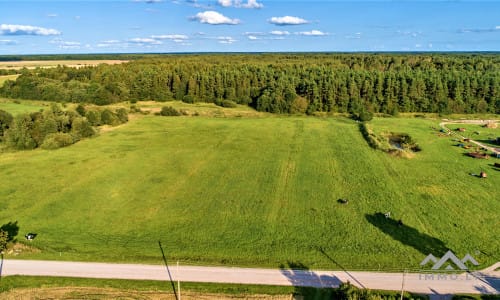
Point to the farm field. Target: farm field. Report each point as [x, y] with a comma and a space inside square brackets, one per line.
[252, 192]
[32, 64]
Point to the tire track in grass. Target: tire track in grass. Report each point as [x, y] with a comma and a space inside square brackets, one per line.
[287, 172]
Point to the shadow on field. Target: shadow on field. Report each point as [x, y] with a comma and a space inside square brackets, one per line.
[12, 230]
[307, 283]
[168, 271]
[407, 235]
[320, 250]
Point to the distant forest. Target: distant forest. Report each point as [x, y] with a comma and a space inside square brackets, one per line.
[282, 83]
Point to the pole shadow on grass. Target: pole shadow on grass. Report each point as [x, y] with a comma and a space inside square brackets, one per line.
[307, 283]
[320, 250]
[407, 235]
[168, 271]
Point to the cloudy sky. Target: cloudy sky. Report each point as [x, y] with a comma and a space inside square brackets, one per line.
[91, 26]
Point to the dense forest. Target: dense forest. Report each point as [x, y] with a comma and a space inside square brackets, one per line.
[282, 83]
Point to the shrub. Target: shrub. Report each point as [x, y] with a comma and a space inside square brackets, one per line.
[109, 118]
[81, 128]
[80, 109]
[94, 117]
[228, 104]
[42, 127]
[5, 122]
[57, 140]
[19, 134]
[4, 237]
[299, 105]
[188, 99]
[122, 115]
[169, 111]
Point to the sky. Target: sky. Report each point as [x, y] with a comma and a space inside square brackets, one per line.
[167, 26]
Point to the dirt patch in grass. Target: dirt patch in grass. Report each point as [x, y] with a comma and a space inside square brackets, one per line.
[19, 248]
[110, 293]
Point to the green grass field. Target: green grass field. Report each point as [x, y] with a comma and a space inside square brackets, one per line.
[23, 106]
[252, 192]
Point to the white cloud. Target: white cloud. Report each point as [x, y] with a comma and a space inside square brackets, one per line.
[240, 3]
[287, 20]
[8, 42]
[178, 38]
[252, 37]
[147, 41]
[52, 16]
[279, 32]
[170, 37]
[226, 40]
[109, 43]
[214, 18]
[225, 3]
[249, 4]
[312, 33]
[9, 29]
[66, 44]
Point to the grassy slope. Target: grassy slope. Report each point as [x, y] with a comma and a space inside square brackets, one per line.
[21, 107]
[249, 192]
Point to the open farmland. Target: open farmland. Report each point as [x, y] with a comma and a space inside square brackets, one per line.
[32, 64]
[252, 191]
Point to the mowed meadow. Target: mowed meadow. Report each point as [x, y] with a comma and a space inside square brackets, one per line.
[252, 192]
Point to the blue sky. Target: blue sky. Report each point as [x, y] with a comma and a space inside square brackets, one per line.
[129, 26]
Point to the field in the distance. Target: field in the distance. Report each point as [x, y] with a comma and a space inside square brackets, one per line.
[252, 191]
[32, 64]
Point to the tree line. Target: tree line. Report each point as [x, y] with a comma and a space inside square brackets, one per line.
[282, 83]
[54, 127]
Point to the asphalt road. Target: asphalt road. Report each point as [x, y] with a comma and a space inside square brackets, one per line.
[486, 281]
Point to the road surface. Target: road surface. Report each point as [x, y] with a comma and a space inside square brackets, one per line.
[486, 281]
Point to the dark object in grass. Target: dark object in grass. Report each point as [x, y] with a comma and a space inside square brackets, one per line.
[478, 155]
[343, 201]
[400, 223]
[30, 236]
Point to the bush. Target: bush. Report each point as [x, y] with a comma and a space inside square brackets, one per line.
[80, 109]
[5, 122]
[122, 115]
[228, 104]
[94, 117]
[19, 134]
[188, 99]
[109, 118]
[81, 128]
[57, 140]
[169, 111]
